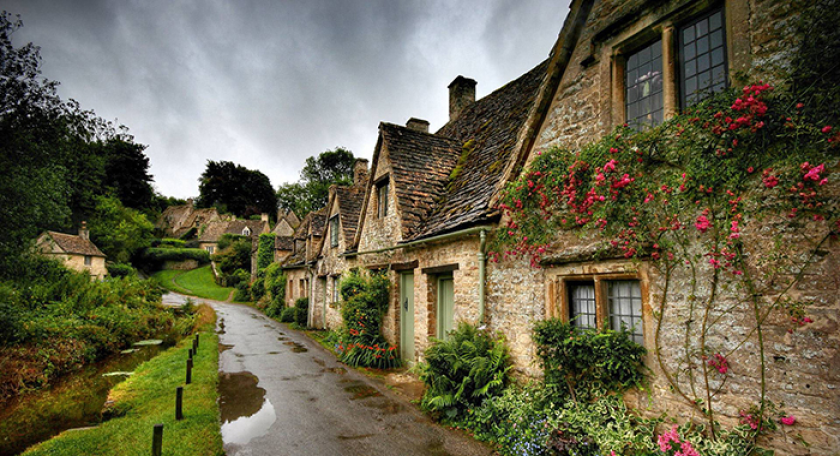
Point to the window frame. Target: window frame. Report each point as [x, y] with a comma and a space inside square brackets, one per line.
[626, 88]
[682, 92]
[560, 302]
[334, 231]
[88, 260]
[382, 186]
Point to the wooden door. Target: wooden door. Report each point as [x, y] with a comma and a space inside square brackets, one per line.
[407, 317]
[446, 306]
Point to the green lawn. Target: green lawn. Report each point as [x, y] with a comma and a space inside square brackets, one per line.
[198, 282]
[148, 398]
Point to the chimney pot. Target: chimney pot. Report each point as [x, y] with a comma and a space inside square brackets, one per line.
[360, 172]
[83, 232]
[461, 95]
[418, 125]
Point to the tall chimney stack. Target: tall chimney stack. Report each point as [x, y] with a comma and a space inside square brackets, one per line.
[461, 95]
[418, 125]
[360, 172]
[83, 232]
[264, 217]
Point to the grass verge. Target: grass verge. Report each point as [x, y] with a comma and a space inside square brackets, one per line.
[197, 282]
[148, 398]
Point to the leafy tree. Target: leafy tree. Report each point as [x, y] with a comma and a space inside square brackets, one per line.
[127, 172]
[311, 192]
[118, 231]
[239, 190]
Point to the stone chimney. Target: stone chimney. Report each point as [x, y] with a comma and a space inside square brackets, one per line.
[360, 171]
[264, 218]
[83, 232]
[418, 125]
[461, 95]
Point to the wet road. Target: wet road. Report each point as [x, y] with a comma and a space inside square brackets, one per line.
[283, 394]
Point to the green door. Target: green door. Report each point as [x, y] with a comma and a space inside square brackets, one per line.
[446, 306]
[407, 317]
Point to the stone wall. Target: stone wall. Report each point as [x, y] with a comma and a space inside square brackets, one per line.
[96, 270]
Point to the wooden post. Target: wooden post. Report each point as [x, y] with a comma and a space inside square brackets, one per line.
[179, 403]
[196, 341]
[189, 371]
[195, 345]
[190, 353]
[157, 440]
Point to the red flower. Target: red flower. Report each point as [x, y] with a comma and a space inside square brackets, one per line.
[788, 420]
[826, 129]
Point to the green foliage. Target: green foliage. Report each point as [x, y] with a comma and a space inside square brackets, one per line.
[242, 294]
[169, 243]
[463, 370]
[301, 311]
[54, 155]
[161, 254]
[365, 301]
[239, 190]
[588, 362]
[189, 234]
[235, 255]
[265, 251]
[311, 192]
[54, 320]
[116, 270]
[275, 289]
[197, 282]
[118, 231]
[258, 289]
[288, 315]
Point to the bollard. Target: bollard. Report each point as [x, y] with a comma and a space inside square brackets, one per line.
[189, 371]
[157, 440]
[190, 353]
[179, 403]
[195, 345]
[196, 341]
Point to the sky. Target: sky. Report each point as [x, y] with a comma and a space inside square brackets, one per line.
[266, 84]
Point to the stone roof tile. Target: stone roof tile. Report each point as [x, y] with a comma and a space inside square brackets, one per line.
[75, 244]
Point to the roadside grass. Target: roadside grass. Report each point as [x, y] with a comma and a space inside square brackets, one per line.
[197, 282]
[148, 398]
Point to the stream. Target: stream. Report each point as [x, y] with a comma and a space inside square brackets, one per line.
[73, 401]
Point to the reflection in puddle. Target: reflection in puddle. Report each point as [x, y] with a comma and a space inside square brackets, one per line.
[296, 347]
[246, 413]
[361, 391]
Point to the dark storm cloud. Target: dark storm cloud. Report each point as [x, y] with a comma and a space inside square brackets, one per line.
[266, 84]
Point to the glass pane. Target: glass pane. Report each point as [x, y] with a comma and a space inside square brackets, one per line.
[633, 61]
[718, 75]
[689, 51]
[702, 27]
[715, 21]
[691, 85]
[703, 62]
[717, 57]
[582, 304]
[644, 55]
[690, 68]
[688, 34]
[716, 39]
[704, 80]
[656, 50]
[644, 71]
[702, 44]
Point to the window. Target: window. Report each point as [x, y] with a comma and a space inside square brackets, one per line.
[209, 249]
[643, 87]
[88, 260]
[336, 288]
[382, 198]
[702, 49]
[334, 231]
[302, 284]
[246, 231]
[595, 302]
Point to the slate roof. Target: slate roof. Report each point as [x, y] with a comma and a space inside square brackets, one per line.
[74, 244]
[350, 208]
[420, 166]
[284, 243]
[488, 130]
[215, 230]
[317, 221]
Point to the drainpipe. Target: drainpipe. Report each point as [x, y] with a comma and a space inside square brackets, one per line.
[482, 265]
[325, 304]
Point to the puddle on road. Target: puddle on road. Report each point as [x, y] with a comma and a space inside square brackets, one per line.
[282, 338]
[361, 391]
[246, 413]
[224, 347]
[318, 361]
[221, 326]
[354, 437]
[296, 347]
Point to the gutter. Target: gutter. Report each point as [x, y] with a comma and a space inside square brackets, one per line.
[482, 257]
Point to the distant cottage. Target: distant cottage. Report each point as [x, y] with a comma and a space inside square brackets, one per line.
[77, 252]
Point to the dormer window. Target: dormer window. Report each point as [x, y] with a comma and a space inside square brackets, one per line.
[246, 231]
[334, 231]
[382, 198]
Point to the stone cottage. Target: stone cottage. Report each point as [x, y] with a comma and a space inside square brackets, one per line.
[209, 237]
[430, 201]
[175, 221]
[298, 265]
[343, 210]
[77, 252]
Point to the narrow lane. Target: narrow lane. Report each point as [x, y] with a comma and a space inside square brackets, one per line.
[283, 394]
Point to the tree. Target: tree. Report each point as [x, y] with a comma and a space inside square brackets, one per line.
[120, 232]
[236, 189]
[312, 190]
[127, 172]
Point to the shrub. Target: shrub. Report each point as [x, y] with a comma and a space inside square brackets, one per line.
[365, 301]
[227, 239]
[161, 254]
[265, 251]
[275, 283]
[234, 253]
[463, 370]
[301, 311]
[169, 243]
[258, 289]
[116, 270]
[242, 294]
[288, 315]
